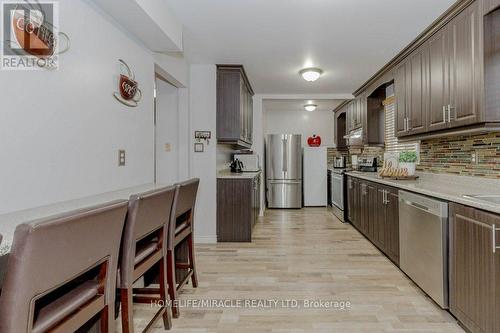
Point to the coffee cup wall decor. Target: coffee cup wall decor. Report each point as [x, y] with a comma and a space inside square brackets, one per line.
[129, 92]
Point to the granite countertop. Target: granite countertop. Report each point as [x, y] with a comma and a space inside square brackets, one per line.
[9, 221]
[226, 174]
[443, 186]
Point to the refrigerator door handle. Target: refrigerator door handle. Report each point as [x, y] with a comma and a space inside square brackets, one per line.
[286, 182]
[285, 157]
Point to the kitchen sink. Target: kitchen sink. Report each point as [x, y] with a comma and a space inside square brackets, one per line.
[493, 198]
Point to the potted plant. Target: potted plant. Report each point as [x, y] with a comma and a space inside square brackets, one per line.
[408, 160]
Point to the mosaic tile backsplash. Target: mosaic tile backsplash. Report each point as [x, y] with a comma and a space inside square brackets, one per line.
[454, 155]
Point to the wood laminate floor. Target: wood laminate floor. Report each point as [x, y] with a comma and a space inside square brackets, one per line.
[301, 255]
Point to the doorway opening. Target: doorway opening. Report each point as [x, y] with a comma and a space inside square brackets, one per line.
[166, 124]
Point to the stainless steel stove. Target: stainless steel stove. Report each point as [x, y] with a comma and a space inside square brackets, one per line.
[337, 190]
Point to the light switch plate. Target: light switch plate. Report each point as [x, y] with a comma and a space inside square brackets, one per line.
[121, 157]
[168, 147]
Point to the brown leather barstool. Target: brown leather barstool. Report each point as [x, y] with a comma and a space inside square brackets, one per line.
[143, 247]
[181, 228]
[61, 271]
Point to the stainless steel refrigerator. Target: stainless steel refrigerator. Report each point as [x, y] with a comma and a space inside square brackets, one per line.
[284, 170]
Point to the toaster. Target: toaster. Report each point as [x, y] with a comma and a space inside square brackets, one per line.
[250, 162]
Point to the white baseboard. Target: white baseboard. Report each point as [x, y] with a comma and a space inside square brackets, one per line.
[205, 239]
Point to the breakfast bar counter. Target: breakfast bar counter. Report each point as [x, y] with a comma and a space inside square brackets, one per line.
[9, 221]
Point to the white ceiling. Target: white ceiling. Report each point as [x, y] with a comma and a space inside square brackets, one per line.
[349, 39]
[298, 104]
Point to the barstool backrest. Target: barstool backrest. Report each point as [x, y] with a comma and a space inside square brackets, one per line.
[184, 203]
[148, 215]
[51, 253]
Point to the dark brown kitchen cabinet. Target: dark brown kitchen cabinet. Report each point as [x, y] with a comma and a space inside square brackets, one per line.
[490, 5]
[373, 209]
[438, 80]
[400, 92]
[363, 206]
[355, 110]
[340, 125]
[391, 213]
[438, 86]
[465, 68]
[351, 114]
[238, 207]
[411, 94]
[359, 111]
[475, 268]
[368, 206]
[353, 202]
[417, 97]
[234, 106]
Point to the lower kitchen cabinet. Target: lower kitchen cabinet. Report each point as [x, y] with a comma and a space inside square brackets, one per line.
[353, 209]
[373, 209]
[391, 213]
[238, 206]
[475, 268]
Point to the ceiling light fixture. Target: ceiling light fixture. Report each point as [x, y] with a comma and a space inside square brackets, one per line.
[310, 107]
[311, 74]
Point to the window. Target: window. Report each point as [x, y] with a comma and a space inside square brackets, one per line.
[392, 145]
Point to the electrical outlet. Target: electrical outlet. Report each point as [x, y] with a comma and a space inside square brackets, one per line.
[475, 157]
[168, 147]
[121, 157]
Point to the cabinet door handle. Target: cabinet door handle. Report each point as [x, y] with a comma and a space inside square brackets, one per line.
[444, 114]
[449, 112]
[383, 197]
[494, 230]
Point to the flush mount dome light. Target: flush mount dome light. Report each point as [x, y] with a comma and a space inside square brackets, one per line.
[310, 107]
[311, 74]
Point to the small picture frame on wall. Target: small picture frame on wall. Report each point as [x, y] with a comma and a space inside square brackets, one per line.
[199, 147]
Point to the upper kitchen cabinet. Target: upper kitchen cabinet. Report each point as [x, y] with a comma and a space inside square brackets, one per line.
[234, 106]
[447, 80]
[411, 94]
[340, 125]
[438, 82]
[356, 110]
[365, 118]
[441, 81]
[465, 68]
[490, 5]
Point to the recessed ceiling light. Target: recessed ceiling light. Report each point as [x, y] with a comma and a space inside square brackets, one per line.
[311, 74]
[310, 107]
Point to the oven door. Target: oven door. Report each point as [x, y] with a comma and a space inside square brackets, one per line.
[338, 190]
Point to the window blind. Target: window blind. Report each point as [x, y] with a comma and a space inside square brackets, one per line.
[392, 145]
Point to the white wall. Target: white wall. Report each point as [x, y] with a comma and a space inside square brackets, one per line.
[203, 165]
[300, 122]
[258, 145]
[60, 131]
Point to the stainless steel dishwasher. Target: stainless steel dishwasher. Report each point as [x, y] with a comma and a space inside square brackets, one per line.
[423, 237]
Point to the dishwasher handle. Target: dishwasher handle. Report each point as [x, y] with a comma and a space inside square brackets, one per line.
[416, 205]
[426, 204]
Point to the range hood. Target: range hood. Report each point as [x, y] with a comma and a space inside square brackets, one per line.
[355, 137]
